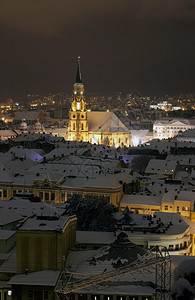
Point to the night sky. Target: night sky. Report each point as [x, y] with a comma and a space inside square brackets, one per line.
[125, 45]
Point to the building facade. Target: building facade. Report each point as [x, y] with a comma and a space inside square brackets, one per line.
[168, 128]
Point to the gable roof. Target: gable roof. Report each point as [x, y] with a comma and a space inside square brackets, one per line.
[103, 121]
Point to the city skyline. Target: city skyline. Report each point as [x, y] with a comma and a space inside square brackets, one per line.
[126, 46]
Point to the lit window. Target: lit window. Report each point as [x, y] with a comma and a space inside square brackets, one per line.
[78, 105]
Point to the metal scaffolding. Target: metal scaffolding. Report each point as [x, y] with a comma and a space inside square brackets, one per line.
[68, 285]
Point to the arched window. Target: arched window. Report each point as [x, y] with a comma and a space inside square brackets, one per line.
[74, 126]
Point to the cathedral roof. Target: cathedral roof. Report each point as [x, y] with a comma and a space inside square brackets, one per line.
[103, 121]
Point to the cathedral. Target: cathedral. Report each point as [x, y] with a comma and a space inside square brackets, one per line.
[100, 127]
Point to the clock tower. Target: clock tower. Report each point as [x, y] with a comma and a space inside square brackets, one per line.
[78, 125]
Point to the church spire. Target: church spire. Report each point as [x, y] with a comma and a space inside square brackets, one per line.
[78, 76]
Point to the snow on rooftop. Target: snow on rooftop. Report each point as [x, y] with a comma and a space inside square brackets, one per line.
[40, 278]
[20, 208]
[8, 216]
[42, 223]
[103, 121]
[178, 195]
[161, 166]
[95, 237]
[141, 200]
[6, 234]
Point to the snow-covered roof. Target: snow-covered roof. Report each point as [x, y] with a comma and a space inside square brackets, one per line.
[9, 262]
[140, 200]
[20, 208]
[173, 195]
[173, 122]
[8, 216]
[103, 121]
[5, 177]
[42, 223]
[184, 160]
[40, 278]
[161, 166]
[6, 234]
[95, 237]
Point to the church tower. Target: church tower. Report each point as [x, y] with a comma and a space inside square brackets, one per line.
[78, 125]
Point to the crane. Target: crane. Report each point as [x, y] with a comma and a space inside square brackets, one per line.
[161, 259]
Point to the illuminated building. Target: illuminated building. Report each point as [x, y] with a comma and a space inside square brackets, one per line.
[95, 127]
[168, 128]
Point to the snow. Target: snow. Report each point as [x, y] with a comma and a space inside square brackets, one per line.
[94, 237]
[103, 121]
[6, 234]
[40, 278]
[42, 224]
[141, 200]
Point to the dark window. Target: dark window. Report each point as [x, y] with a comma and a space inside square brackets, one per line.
[0, 192]
[46, 196]
[52, 196]
[4, 193]
[30, 295]
[46, 295]
[41, 195]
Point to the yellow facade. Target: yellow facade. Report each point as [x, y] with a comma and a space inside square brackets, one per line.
[44, 250]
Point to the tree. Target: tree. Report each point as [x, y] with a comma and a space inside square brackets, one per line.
[94, 213]
[184, 281]
[182, 290]
[127, 216]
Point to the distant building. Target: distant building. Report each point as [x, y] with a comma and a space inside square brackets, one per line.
[168, 128]
[94, 127]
